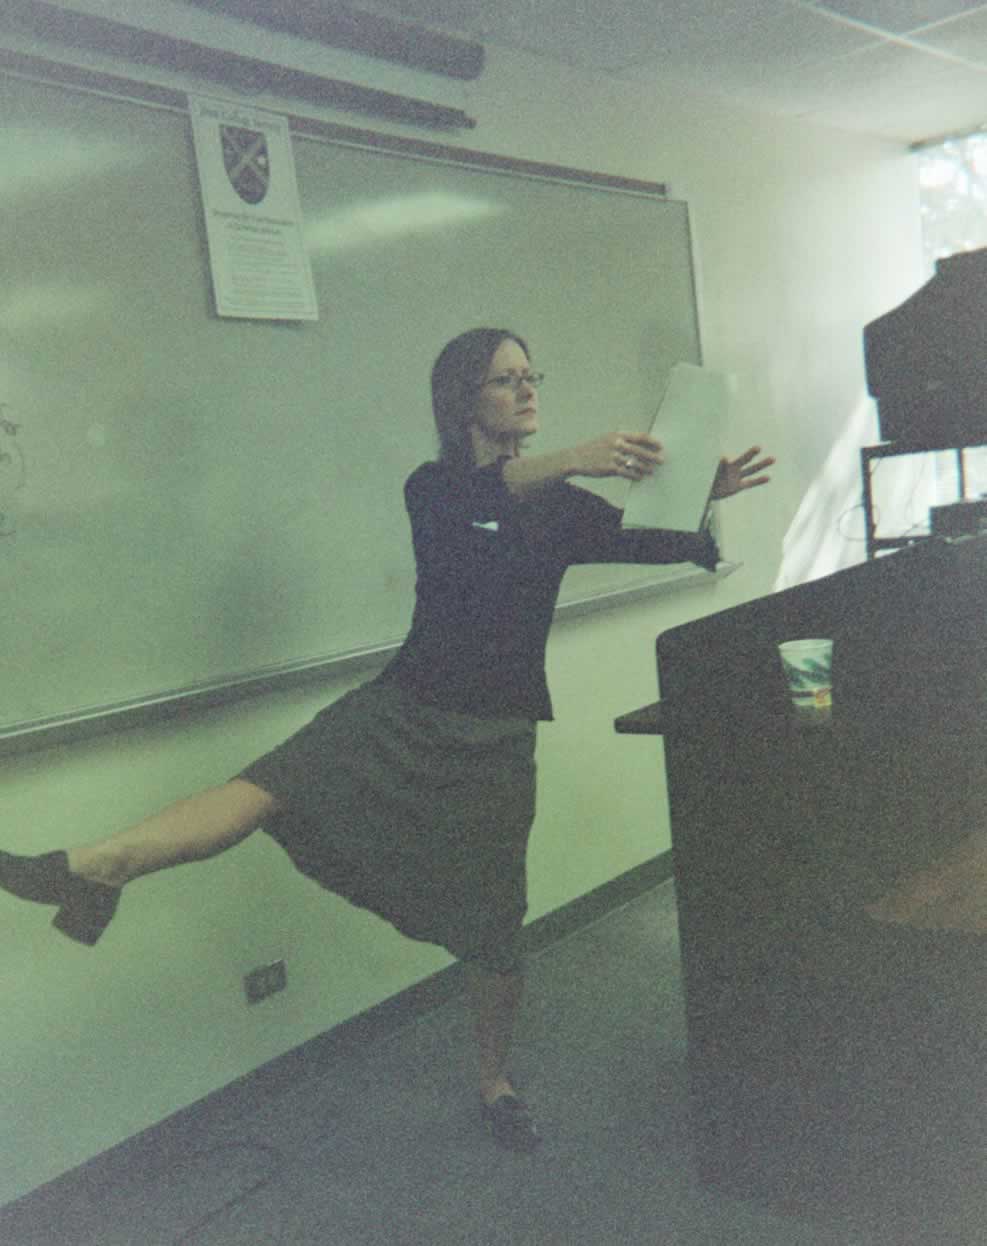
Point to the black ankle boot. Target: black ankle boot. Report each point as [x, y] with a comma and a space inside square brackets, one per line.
[84, 908]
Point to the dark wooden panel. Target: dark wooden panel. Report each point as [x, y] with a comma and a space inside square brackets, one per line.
[831, 1055]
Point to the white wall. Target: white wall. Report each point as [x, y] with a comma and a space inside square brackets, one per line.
[802, 235]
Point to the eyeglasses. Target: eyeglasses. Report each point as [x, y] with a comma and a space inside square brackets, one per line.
[514, 380]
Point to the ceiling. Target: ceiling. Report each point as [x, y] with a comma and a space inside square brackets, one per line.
[908, 70]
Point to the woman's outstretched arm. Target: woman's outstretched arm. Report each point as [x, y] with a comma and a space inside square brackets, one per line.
[631, 456]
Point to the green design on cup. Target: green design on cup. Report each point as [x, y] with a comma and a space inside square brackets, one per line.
[807, 677]
[808, 674]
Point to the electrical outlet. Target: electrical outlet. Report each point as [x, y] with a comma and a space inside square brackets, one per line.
[265, 980]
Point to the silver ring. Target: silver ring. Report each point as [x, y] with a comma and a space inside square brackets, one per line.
[628, 462]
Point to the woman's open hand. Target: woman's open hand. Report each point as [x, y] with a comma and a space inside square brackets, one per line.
[629, 455]
[735, 475]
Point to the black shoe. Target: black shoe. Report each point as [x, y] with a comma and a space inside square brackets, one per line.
[511, 1124]
[84, 908]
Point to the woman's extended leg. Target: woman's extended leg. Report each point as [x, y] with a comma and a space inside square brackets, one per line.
[85, 882]
[193, 829]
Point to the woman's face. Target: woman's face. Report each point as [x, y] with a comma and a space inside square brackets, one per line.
[506, 410]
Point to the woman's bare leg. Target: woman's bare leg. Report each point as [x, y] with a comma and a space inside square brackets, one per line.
[193, 829]
[495, 1000]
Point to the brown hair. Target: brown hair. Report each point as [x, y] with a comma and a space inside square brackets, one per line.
[457, 374]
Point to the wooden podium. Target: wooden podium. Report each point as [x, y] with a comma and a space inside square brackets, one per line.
[830, 1054]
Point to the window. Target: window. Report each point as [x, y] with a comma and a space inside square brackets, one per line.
[953, 190]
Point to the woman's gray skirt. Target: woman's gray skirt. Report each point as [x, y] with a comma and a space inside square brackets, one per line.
[419, 814]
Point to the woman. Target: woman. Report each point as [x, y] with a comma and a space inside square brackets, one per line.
[413, 796]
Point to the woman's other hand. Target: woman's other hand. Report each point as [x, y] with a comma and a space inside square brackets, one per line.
[735, 475]
[629, 455]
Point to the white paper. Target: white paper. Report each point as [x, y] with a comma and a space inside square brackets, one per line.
[689, 424]
[260, 268]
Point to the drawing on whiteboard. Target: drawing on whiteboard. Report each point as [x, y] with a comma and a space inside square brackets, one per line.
[13, 472]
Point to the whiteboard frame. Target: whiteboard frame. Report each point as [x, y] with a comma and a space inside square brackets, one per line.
[79, 724]
[149, 711]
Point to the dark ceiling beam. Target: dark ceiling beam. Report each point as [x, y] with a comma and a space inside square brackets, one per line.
[341, 26]
[245, 74]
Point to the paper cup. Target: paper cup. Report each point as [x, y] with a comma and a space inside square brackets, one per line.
[808, 668]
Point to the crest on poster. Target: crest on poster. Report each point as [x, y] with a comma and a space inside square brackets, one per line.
[246, 160]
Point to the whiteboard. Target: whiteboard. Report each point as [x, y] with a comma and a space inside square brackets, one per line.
[200, 503]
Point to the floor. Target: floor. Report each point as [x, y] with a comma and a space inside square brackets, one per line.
[383, 1145]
